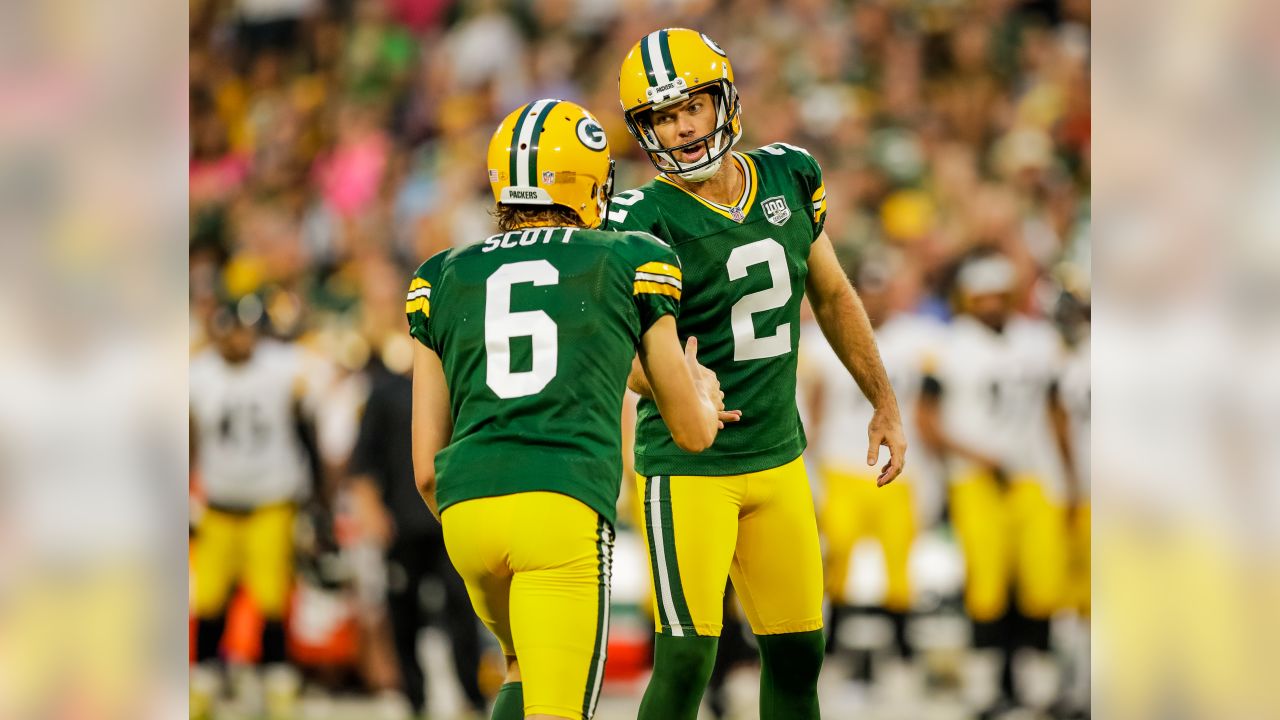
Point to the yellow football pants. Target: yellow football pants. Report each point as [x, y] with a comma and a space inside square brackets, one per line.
[758, 529]
[853, 509]
[255, 549]
[1007, 536]
[537, 567]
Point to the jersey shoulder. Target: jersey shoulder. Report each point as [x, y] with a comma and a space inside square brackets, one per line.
[430, 270]
[637, 247]
[791, 159]
[640, 208]
[417, 303]
[795, 166]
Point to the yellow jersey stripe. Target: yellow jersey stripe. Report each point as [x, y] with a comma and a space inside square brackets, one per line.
[418, 283]
[653, 288]
[417, 304]
[820, 193]
[660, 268]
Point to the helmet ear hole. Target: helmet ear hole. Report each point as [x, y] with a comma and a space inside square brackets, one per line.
[594, 188]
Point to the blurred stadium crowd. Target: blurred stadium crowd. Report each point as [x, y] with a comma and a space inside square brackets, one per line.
[336, 144]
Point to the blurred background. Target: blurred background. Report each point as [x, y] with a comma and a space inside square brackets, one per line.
[96, 130]
[336, 144]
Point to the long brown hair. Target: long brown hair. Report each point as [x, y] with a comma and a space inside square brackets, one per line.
[512, 217]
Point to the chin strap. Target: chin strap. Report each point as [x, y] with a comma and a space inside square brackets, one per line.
[705, 172]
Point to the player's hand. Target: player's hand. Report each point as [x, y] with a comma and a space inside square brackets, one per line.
[708, 383]
[886, 429]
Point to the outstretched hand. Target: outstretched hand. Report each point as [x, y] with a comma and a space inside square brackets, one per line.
[886, 429]
[708, 383]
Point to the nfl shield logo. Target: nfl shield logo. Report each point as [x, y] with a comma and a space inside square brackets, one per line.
[776, 210]
[737, 214]
[548, 177]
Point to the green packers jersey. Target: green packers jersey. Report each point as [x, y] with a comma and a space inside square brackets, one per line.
[744, 271]
[536, 330]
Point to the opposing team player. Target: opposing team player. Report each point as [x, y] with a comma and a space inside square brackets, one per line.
[748, 228]
[255, 455]
[991, 407]
[853, 508]
[525, 341]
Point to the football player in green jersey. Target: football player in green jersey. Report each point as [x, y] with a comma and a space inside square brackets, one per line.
[748, 228]
[524, 344]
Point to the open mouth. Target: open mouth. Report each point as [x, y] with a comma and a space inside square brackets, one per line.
[693, 154]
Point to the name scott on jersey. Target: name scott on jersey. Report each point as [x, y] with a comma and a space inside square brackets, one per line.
[528, 236]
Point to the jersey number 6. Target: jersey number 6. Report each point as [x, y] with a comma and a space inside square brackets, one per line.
[746, 345]
[500, 325]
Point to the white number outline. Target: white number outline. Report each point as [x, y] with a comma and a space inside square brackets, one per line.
[627, 199]
[501, 325]
[746, 345]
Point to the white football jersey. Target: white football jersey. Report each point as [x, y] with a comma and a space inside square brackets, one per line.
[995, 389]
[906, 343]
[248, 449]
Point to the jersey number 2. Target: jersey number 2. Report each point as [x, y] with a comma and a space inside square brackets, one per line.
[746, 345]
[500, 325]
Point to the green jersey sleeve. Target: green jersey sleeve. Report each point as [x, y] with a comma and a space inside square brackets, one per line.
[658, 279]
[417, 305]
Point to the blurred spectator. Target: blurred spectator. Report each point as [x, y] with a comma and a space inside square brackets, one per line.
[393, 513]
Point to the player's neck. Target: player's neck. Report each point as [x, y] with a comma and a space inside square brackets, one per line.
[725, 187]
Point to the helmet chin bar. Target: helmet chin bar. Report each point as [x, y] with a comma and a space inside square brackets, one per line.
[706, 166]
[664, 158]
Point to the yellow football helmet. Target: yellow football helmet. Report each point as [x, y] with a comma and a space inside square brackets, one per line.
[666, 67]
[552, 152]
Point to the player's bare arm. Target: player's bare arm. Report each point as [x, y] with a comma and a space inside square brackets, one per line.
[844, 323]
[432, 423]
[638, 383]
[688, 395]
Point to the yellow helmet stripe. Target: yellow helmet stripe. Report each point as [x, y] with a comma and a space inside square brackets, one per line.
[522, 143]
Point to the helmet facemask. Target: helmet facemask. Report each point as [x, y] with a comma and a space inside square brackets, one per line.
[603, 195]
[717, 143]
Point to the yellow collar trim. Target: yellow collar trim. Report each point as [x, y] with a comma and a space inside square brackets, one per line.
[745, 201]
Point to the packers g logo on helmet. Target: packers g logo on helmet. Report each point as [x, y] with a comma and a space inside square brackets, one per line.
[552, 152]
[666, 67]
[591, 134]
[712, 44]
